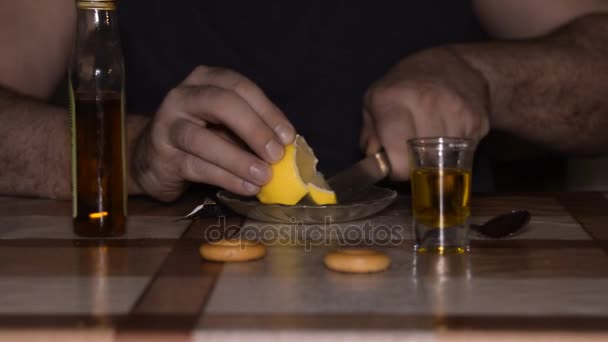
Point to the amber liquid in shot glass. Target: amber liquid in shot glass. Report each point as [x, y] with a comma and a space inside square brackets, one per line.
[441, 197]
[441, 191]
[441, 200]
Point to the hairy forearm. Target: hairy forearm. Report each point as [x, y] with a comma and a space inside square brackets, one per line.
[553, 90]
[35, 147]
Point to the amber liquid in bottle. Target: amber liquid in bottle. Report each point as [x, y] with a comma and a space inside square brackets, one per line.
[100, 197]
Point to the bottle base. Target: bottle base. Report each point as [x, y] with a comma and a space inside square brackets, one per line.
[99, 228]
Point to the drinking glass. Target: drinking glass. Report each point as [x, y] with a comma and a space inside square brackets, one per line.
[441, 193]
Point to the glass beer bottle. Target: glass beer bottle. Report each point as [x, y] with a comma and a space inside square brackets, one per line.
[96, 78]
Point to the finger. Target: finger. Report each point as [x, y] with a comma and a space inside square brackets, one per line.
[202, 143]
[449, 115]
[452, 128]
[454, 119]
[478, 121]
[227, 135]
[218, 105]
[429, 122]
[394, 130]
[369, 141]
[197, 170]
[251, 93]
[373, 145]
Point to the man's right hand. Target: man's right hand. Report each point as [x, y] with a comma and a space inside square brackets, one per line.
[181, 145]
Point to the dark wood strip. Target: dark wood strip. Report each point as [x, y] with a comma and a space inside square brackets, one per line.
[197, 236]
[19, 206]
[532, 244]
[138, 205]
[584, 203]
[408, 245]
[153, 336]
[101, 261]
[145, 260]
[57, 321]
[542, 264]
[321, 321]
[537, 205]
[575, 323]
[346, 321]
[182, 285]
[139, 322]
[159, 322]
[536, 244]
[590, 210]
[87, 243]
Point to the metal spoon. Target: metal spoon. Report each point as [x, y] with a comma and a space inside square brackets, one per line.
[503, 225]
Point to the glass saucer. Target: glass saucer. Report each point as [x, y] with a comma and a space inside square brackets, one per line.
[369, 202]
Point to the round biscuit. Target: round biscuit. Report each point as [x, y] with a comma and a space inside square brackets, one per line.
[357, 261]
[234, 250]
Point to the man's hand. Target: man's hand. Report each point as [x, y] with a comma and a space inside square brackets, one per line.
[430, 94]
[180, 145]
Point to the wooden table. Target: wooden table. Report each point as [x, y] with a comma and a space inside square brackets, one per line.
[549, 282]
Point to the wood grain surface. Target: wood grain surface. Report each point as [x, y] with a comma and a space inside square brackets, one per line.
[547, 283]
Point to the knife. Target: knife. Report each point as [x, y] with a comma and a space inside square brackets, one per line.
[367, 172]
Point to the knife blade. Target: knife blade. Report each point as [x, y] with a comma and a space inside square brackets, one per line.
[367, 172]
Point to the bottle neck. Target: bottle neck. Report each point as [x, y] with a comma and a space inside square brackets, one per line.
[109, 5]
[97, 20]
[97, 60]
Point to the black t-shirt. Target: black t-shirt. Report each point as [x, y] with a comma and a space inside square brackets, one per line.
[313, 58]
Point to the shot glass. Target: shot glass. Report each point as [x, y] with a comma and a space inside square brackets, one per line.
[441, 192]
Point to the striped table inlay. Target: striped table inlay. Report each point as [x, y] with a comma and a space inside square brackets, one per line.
[550, 281]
